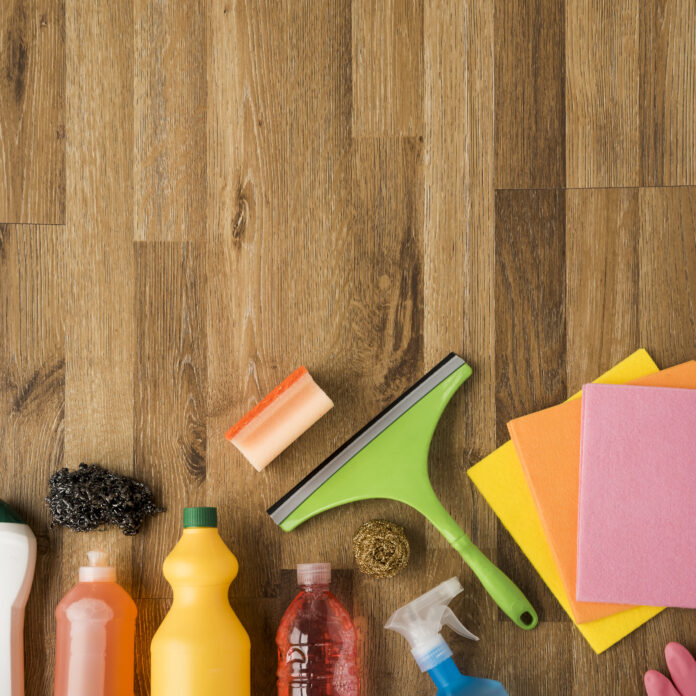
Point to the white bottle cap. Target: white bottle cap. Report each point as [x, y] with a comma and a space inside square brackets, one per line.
[313, 573]
[98, 569]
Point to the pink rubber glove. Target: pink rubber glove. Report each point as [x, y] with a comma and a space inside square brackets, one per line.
[682, 669]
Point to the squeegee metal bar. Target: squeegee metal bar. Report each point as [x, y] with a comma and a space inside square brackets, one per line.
[291, 500]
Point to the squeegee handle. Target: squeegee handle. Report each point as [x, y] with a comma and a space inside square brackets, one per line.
[504, 592]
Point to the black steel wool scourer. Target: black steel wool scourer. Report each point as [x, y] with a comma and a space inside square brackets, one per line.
[91, 497]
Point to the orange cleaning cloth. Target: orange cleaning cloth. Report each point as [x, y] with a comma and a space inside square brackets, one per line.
[548, 446]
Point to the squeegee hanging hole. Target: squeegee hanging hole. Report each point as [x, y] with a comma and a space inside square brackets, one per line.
[527, 619]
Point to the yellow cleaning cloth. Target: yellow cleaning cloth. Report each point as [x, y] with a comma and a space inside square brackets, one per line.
[501, 480]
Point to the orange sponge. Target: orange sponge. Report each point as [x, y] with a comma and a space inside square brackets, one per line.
[279, 418]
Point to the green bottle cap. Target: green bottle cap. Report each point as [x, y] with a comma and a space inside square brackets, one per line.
[7, 514]
[200, 517]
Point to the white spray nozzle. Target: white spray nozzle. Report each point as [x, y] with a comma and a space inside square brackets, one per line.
[421, 621]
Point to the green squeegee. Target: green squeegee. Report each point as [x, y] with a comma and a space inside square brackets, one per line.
[388, 458]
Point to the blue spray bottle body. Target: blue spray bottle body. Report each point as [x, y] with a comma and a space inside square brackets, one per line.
[420, 622]
[451, 682]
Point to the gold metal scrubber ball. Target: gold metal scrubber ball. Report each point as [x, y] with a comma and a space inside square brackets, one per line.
[381, 548]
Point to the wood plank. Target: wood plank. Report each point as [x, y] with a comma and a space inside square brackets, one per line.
[247, 212]
[100, 270]
[602, 129]
[387, 339]
[32, 381]
[387, 67]
[529, 94]
[668, 330]
[668, 92]
[602, 291]
[151, 613]
[602, 231]
[666, 251]
[668, 273]
[551, 644]
[246, 205]
[170, 101]
[32, 117]
[333, 330]
[530, 336]
[459, 262]
[170, 447]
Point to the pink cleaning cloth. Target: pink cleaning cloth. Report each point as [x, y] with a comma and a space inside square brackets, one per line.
[636, 521]
[279, 418]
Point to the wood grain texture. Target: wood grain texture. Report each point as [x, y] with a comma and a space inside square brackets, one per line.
[668, 273]
[459, 306]
[170, 107]
[602, 78]
[387, 64]
[250, 186]
[32, 400]
[388, 302]
[247, 136]
[32, 112]
[459, 247]
[530, 333]
[602, 274]
[668, 92]
[529, 94]
[151, 613]
[602, 318]
[170, 395]
[99, 265]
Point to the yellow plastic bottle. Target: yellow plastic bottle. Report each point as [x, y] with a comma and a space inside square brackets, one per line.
[201, 647]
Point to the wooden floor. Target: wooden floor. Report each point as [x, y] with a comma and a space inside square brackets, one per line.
[197, 197]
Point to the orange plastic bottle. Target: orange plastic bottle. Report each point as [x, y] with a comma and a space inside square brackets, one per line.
[95, 637]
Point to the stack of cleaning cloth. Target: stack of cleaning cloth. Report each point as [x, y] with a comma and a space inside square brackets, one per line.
[598, 492]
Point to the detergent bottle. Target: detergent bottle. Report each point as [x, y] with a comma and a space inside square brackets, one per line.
[95, 634]
[17, 561]
[420, 622]
[317, 640]
[201, 647]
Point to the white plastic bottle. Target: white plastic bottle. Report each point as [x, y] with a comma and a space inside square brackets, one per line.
[17, 560]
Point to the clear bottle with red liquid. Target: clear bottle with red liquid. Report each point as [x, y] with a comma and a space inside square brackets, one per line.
[317, 640]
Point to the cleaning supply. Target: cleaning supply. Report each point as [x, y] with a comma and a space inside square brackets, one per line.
[92, 497]
[95, 634]
[17, 562]
[636, 522]
[682, 669]
[201, 646]
[548, 446]
[381, 548]
[388, 458]
[279, 419]
[316, 640]
[420, 622]
[500, 480]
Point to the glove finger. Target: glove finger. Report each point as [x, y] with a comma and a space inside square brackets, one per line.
[657, 684]
[682, 667]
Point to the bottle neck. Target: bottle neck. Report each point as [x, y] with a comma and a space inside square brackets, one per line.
[316, 588]
[446, 674]
[97, 574]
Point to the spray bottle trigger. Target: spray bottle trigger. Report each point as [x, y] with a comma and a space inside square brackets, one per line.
[449, 618]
